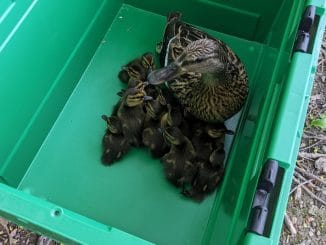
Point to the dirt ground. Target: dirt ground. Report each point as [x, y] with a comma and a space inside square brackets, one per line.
[13, 234]
[306, 212]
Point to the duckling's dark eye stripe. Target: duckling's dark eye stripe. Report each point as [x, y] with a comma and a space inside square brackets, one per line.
[136, 97]
[135, 69]
[133, 72]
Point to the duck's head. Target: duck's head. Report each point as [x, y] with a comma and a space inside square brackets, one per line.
[113, 124]
[200, 56]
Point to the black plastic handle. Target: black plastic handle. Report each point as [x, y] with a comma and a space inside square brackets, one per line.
[260, 204]
[268, 177]
[303, 35]
[258, 221]
[307, 19]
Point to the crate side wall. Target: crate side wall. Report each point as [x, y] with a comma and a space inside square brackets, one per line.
[251, 20]
[43, 59]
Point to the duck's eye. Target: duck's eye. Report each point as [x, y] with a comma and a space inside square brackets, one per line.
[192, 61]
[199, 60]
[132, 72]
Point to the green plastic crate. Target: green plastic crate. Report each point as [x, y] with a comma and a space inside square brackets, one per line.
[59, 62]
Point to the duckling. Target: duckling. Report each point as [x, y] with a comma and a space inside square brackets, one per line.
[148, 62]
[114, 143]
[216, 158]
[152, 133]
[133, 70]
[173, 117]
[157, 119]
[133, 83]
[179, 162]
[137, 70]
[218, 132]
[132, 114]
[202, 142]
[153, 139]
[205, 75]
[208, 141]
[154, 111]
[206, 181]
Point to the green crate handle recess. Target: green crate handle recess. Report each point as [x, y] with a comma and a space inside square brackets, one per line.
[289, 122]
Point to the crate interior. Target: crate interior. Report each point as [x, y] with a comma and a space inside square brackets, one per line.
[133, 195]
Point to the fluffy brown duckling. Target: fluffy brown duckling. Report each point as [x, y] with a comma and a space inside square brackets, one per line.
[202, 142]
[179, 162]
[153, 139]
[154, 110]
[114, 143]
[148, 62]
[217, 157]
[131, 113]
[134, 70]
[172, 117]
[137, 70]
[152, 133]
[218, 133]
[205, 182]
[208, 137]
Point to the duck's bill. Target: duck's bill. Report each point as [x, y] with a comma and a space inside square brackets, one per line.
[163, 75]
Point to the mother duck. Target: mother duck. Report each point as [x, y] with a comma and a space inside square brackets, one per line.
[204, 73]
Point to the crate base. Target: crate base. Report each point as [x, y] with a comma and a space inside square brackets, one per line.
[131, 195]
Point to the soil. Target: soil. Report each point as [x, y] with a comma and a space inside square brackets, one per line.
[11, 233]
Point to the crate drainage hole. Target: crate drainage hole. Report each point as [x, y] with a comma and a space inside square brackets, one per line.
[56, 212]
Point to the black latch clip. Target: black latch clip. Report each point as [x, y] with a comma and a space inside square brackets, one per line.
[261, 202]
[303, 35]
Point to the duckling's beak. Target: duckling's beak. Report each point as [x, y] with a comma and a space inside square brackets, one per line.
[150, 70]
[164, 74]
[104, 117]
[146, 98]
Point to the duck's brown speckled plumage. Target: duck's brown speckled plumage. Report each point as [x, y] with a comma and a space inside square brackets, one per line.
[210, 97]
